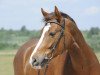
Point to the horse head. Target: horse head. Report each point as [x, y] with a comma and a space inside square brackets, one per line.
[54, 39]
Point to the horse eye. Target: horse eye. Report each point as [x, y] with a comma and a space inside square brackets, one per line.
[51, 33]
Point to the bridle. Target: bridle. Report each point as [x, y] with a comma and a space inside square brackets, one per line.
[59, 36]
[62, 25]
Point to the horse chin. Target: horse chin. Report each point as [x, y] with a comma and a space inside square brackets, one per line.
[37, 67]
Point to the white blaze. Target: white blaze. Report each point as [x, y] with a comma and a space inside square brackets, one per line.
[46, 28]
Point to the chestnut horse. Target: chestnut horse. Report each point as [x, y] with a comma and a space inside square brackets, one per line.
[62, 47]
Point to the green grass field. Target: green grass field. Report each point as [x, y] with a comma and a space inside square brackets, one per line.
[6, 62]
[6, 65]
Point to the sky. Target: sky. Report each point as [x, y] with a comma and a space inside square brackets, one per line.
[16, 13]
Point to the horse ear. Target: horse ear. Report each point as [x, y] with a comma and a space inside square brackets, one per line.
[58, 14]
[43, 12]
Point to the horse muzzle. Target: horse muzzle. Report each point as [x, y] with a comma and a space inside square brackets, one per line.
[38, 64]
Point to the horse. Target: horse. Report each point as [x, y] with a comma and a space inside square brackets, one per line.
[61, 50]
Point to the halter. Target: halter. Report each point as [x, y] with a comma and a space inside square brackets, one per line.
[56, 43]
[59, 37]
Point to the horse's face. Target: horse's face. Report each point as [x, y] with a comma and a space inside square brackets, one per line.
[50, 44]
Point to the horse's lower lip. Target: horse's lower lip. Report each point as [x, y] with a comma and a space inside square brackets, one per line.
[44, 62]
[40, 66]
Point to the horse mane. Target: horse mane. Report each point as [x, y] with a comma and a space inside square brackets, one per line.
[67, 16]
[64, 15]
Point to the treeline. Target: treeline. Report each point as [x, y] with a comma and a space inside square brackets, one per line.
[13, 39]
[92, 37]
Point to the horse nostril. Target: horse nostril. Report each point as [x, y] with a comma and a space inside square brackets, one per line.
[35, 62]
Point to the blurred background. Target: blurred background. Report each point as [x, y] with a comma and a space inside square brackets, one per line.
[21, 20]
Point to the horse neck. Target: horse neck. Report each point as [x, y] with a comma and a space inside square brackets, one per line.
[79, 39]
[78, 60]
[75, 32]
